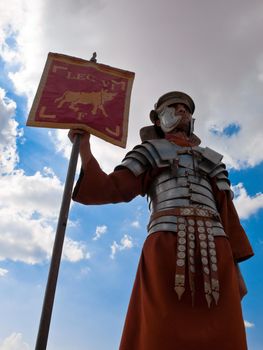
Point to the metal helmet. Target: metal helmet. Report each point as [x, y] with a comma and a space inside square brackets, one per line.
[171, 98]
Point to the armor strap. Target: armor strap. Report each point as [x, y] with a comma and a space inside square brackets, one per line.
[186, 212]
[195, 241]
[179, 283]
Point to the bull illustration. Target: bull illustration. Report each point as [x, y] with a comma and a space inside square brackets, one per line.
[96, 99]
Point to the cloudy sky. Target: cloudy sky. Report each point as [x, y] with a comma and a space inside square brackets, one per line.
[209, 49]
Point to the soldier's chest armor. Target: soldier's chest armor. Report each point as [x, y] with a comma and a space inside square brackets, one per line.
[185, 179]
[183, 183]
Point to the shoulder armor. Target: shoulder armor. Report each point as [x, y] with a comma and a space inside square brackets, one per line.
[210, 160]
[211, 164]
[151, 153]
[135, 161]
[166, 150]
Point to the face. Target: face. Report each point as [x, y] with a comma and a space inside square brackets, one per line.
[181, 109]
[183, 115]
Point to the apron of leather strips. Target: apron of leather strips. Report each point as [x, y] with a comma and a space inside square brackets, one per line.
[196, 233]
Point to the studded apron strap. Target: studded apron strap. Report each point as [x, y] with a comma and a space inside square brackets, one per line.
[196, 233]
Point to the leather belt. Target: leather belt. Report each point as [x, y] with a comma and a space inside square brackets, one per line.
[186, 212]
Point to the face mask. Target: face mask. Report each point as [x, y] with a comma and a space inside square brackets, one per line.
[168, 119]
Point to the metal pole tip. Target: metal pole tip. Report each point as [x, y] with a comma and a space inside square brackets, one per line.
[94, 57]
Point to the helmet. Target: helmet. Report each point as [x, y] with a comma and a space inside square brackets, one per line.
[171, 98]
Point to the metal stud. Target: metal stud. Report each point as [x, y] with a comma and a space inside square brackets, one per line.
[212, 252]
[214, 267]
[213, 259]
[191, 236]
[206, 270]
[200, 223]
[180, 262]
[181, 255]
[202, 236]
[181, 240]
[208, 224]
[203, 244]
[191, 229]
[204, 261]
[181, 248]
[191, 222]
[212, 244]
[191, 244]
[181, 233]
[203, 252]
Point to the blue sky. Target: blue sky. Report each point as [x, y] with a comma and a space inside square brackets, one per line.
[204, 48]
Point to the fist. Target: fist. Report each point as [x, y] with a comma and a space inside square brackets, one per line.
[73, 132]
[84, 147]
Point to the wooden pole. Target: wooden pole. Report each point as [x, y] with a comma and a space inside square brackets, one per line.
[48, 302]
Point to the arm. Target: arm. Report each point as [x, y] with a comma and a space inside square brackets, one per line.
[240, 245]
[96, 187]
[241, 282]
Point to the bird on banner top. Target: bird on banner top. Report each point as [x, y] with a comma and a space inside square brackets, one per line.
[76, 93]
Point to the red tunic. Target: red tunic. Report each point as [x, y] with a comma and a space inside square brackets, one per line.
[156, 319]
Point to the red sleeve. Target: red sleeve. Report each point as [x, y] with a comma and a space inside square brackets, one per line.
[96, 187]
[241, 247]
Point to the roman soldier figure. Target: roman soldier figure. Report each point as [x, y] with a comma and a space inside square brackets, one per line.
[188, 288]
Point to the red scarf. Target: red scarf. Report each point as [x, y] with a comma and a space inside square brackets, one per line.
[183, 141]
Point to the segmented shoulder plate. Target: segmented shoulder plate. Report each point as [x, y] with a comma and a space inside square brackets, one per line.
[151, 153]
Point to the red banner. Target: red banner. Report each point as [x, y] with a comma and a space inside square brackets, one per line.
[75, 93]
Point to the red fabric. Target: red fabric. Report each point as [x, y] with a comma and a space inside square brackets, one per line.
[156, 319]
[240, 245]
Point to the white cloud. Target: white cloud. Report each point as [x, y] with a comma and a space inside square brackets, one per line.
[28, 217]
[100, 230]
[249, 324]
[3, 272]
[136, 224]
[38, 194]
[8, 134]
[31, 240]
[75, 251]
[245, 204]
[125, 243]
[29, 205]
[14, 342]
[20, 56]
[61, 142]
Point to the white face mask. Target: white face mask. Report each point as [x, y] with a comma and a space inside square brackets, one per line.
[168, 119]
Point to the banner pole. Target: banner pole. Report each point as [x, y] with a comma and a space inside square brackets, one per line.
[48, 302]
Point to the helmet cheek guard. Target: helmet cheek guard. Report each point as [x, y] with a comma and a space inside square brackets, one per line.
[168, 119]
